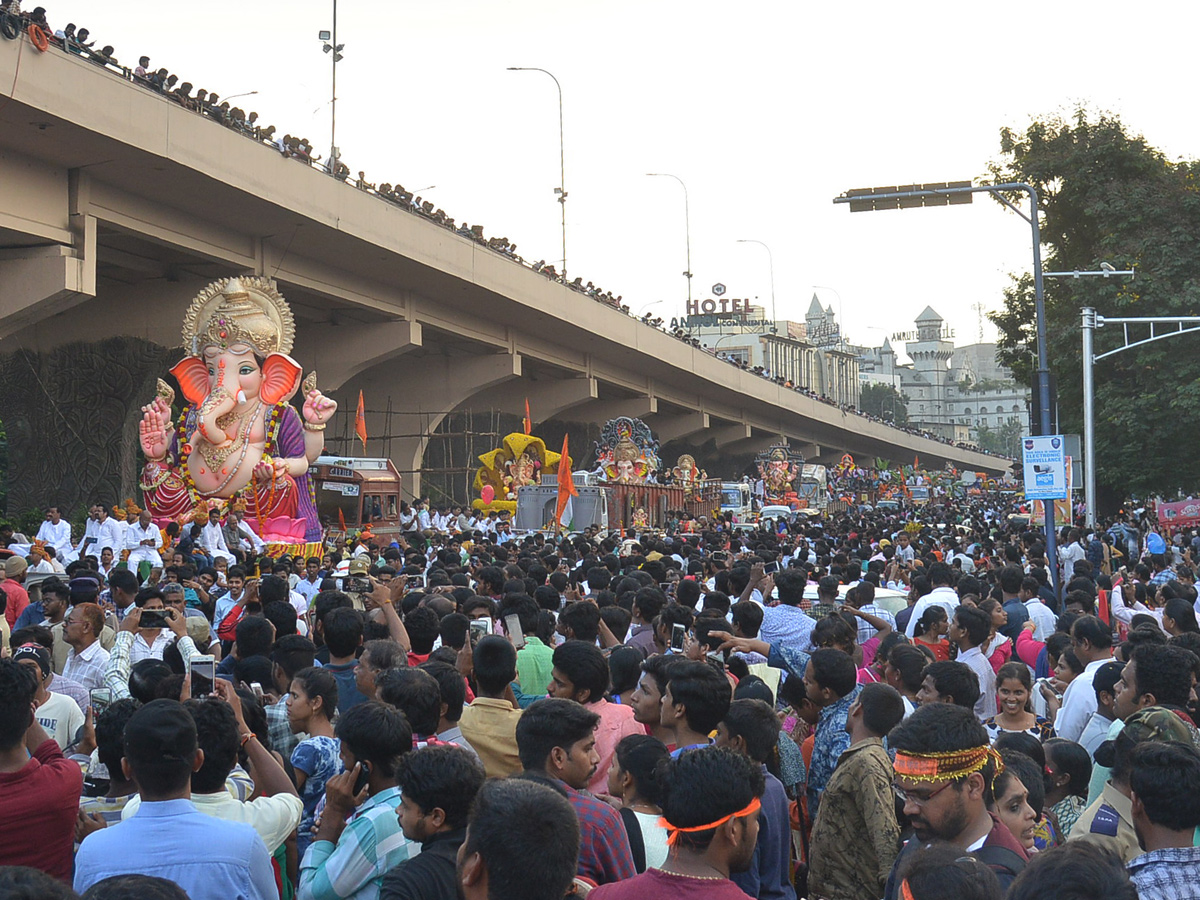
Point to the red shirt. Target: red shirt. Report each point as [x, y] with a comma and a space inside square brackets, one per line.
[655, 884]
[38, 808]
[18, 599]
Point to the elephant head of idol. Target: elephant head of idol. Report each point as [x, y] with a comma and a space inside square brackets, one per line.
[238, 333]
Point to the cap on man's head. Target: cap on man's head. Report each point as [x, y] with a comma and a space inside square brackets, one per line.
[162, 730]
[37, 653]
[15, 566]
[1154, 723]
[360, 565]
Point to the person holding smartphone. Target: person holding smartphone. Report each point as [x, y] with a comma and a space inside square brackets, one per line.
[154, 625]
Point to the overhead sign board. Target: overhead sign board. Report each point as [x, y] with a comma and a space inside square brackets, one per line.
[1045, 463]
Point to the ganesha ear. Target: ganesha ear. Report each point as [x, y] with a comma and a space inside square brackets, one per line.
[192, 375]
[281, 378]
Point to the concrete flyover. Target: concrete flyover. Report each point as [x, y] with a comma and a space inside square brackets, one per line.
[118, 205]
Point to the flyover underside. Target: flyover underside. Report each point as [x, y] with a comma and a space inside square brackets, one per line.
[118, 206]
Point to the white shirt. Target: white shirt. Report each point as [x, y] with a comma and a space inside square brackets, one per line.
[135, 534]
[61, 717]
[274, 818]
[212, 538]
[106, 534]
[1095, 732]
[1043, 619]
[255, 541]
[141, 650]
[985, 706]
[942, 596]
[56, 536]
[1079, 702]
[87, 667]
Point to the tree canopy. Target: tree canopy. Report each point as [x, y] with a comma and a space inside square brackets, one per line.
[1108, 196]
[884, 401]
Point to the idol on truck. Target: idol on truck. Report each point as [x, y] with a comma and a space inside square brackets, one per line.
[238, 442]
[520, 461]
[779, 467]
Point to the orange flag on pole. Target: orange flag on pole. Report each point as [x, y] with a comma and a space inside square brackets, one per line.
[360, 422]
[528, 418]
[564, 514]
[341, 520]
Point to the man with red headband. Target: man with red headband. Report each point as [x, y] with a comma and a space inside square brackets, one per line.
[944, 769]
[710, 810]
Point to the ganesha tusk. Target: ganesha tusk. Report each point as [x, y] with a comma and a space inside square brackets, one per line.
[241, 396]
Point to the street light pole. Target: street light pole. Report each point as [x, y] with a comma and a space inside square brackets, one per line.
[687, 230]
[562, 159]
[333, 103]
[771, 264]
[950, 193]
[334, 49]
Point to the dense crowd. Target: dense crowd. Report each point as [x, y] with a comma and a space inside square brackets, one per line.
[209, 104]
[893, 704]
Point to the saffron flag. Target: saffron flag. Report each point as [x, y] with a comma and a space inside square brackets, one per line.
[528, 418]
[360, 422]
[565, 512]
[341, 520]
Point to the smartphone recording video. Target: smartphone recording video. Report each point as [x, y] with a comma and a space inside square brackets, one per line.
[204, 673]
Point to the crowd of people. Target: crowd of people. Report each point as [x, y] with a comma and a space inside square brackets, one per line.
[903, 704]
[209, 104]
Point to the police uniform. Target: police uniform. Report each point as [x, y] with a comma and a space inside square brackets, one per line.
[1109, 823]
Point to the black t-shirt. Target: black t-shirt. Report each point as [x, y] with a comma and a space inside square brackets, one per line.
[430, 874]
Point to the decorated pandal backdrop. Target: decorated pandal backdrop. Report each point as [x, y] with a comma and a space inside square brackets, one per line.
[237, 442]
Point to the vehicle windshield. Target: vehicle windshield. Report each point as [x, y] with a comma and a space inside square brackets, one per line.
[730, 497]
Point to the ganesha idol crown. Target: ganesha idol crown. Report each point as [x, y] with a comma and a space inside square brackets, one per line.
[247, 310]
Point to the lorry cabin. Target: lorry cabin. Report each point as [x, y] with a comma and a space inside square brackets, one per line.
[364, 491]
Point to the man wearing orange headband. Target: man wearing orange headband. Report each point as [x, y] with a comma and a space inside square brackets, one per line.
[943, 772]
[710, 810]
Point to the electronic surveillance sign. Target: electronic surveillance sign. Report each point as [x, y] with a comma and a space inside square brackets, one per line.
[1045, 461]
[718, 290]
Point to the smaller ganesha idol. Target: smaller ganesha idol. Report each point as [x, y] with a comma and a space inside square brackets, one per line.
[779, 468]
[238, 437]
[626, 452]
[520, 461]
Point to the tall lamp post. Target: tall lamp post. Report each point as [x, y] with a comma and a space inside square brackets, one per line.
[561, 190]
[959, 192]
[687, 230]
[334, 49]
[771, 264]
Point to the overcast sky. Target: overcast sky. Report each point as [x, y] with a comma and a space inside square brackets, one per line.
[767, 110]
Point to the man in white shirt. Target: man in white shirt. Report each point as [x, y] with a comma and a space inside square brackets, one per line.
[310, 585]
[151, 642]
[968, 630]
[100, 532]
[1091, 640]
[57, 713]
[1104, 684]
[942, 595]
[143, 540]
[87, 659]
[56, 533]
[1043, 618]
[422, 514]
[212, 538]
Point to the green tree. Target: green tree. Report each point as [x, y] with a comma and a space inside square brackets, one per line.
[1004, 439]
[884, 401]
[1108, 196]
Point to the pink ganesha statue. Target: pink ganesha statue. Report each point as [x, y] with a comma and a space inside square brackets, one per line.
[239, 437]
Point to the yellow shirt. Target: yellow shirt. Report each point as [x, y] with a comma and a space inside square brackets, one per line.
[490, 726]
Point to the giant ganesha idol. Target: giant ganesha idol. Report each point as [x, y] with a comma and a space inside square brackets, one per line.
[239, 437]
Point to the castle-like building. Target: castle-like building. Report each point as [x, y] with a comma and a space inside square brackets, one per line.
[950, 391]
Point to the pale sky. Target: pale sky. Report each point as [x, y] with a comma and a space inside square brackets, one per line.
[767, 110]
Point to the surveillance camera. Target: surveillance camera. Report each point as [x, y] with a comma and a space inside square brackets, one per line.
[1108, 267]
